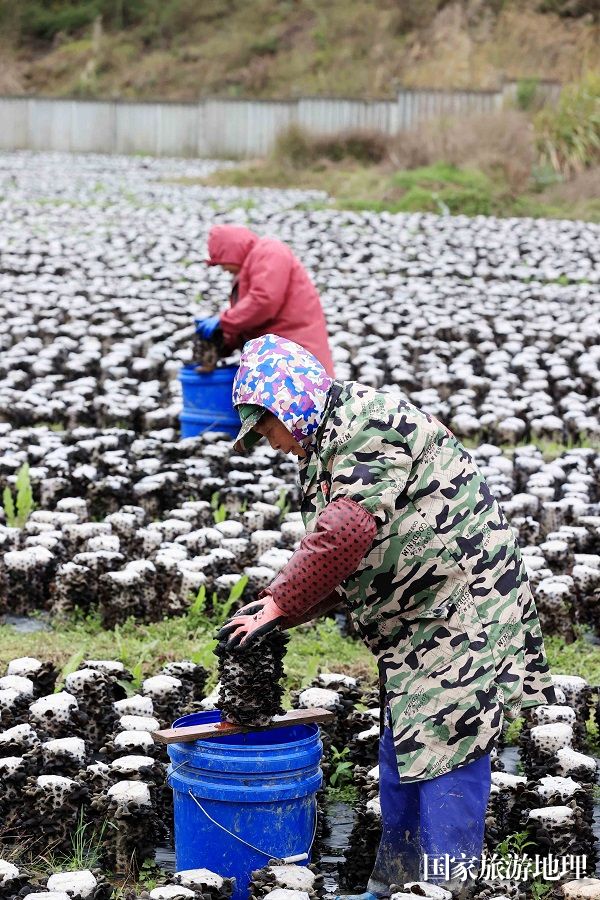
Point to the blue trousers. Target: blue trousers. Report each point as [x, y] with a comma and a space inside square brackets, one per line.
[442, 817]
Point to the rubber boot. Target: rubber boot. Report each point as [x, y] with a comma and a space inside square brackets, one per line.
[398, 856]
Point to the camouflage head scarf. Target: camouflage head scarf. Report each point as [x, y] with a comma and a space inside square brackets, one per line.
[284, 378]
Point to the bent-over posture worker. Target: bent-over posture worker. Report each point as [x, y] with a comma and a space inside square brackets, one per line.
[271, 292]
[401, 527]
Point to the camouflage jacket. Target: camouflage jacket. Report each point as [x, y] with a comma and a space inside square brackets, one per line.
[441, 598]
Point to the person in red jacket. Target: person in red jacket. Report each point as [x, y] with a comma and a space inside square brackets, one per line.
[271, 294]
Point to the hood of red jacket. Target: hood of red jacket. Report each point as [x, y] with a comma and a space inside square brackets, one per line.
[230, 244]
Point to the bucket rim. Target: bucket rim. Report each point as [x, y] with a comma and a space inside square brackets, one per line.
[221, 741]
[190, 415]
[190, 369]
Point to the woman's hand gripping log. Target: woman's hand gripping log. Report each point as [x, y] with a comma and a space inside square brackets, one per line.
[251, 622]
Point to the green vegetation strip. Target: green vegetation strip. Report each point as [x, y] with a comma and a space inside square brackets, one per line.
[582, 658]
[439, 188]
[513, 162]
[144, 649]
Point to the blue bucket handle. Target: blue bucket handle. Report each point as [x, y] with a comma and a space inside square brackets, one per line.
[298, 857]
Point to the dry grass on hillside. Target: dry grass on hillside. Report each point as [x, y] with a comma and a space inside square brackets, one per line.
[279, 48]
[495, 143]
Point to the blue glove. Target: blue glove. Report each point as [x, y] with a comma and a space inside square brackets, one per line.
[207, 327]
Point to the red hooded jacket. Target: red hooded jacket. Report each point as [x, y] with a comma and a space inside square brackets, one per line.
[272, 293]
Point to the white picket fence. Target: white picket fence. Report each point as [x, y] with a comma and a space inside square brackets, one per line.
[220, 128]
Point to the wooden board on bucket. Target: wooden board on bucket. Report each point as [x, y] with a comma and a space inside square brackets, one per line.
[221, 729]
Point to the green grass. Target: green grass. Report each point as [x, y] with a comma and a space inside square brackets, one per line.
[439, 188]
[18, 507]
[513, 730]
[593, 739]
[86, 848]
[311, 648]
[446, 189]
[41, 858]
[549, 449]
[579, 658]
[347, 794]
[146, 648]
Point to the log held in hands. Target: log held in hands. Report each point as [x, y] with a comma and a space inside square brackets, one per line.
[222, 729]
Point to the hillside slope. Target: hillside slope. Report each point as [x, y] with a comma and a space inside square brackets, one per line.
[181, 49]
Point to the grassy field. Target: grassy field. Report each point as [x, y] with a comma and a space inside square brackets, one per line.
[439, 188]
[144, 649]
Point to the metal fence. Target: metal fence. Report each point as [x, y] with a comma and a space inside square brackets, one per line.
[221, 128]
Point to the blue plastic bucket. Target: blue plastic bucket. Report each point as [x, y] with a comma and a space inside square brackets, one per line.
[244, 799]
[207, 402]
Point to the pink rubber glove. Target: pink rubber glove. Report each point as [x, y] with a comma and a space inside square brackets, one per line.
[251, 622]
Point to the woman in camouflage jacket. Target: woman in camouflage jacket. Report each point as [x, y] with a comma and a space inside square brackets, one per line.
[401, 527]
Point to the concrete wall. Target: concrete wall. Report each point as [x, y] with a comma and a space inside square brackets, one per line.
[220, 128]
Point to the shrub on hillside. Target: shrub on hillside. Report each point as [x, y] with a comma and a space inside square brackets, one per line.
[503, 145]
[527, 96]
[42, 21]
[294, 146]
[572, 8]
[364, 146]
[298, 147]
[500, 144]
[568, 135]
[411, 14]
[38, 20]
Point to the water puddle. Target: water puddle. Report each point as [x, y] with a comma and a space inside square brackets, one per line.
[510, 757]
[165, 858]
[590, 637]
[340, 818]
[25, 624]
